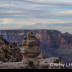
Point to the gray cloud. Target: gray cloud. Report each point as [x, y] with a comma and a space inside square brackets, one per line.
[32, 12]
[53, 3]
[25, 11]
[61, 27]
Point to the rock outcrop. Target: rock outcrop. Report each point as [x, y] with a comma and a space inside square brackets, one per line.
[31, 46]
[45, 56]
[39, 64]
[1, 46]
[1, 52]
[31, 50]
[9, 52]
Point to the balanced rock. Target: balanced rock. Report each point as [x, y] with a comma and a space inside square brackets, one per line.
[30, 46]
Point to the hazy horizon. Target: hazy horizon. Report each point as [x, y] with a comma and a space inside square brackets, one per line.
[38, 29]
[33, 14]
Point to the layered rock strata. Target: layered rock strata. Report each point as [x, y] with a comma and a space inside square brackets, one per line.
[30, 47]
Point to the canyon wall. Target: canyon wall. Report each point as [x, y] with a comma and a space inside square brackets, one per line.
[48, 38]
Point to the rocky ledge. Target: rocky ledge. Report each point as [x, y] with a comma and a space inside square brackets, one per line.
[39, 64]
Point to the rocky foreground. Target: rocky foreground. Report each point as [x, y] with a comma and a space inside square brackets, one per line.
[42, 64]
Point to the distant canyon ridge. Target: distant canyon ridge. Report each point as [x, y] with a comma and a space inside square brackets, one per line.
[48, 38]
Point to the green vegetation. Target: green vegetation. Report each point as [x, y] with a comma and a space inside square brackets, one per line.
[2, 59]
[25, 38]
[14, 44]
[10, 53]
[10, 46]
[6, 43]
[30, 63]
[56, 61]
[6, 51]
[60, 59]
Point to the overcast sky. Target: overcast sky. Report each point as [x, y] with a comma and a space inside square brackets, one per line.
[36, 14]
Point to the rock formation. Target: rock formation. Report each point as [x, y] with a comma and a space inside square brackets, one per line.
[2, 40]
[9, 52]
[30, 47]
[1, 44]
[1, 52]
[31, 50]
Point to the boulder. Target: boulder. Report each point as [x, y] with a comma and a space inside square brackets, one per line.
[45, 56]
